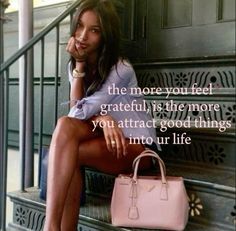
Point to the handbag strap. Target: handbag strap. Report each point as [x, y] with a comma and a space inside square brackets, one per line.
[147, 151]
[150, 153]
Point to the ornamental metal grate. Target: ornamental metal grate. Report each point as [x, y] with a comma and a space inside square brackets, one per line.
[9, 66]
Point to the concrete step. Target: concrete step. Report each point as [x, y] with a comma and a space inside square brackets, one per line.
[209, 212]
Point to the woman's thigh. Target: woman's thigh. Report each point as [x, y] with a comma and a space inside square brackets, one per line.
[93, 150]
[94, 153]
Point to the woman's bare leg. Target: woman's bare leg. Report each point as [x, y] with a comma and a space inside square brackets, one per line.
[63, 164]
[72, 204]
[74, 145]
[94, 153]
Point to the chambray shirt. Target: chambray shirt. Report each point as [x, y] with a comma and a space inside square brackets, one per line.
[122, 76]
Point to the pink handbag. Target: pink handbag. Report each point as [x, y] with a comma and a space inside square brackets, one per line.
[155, 202]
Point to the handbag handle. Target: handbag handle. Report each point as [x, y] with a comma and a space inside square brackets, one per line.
[150, 153]
[147, 151]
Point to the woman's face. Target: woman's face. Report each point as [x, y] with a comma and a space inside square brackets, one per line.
[88, 33]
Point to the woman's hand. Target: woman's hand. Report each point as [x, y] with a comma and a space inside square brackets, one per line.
[115, 140]
[78, 54]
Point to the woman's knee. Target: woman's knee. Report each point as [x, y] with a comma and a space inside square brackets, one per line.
[65, 128]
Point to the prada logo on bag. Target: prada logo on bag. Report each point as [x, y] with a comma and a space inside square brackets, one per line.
[148, 188]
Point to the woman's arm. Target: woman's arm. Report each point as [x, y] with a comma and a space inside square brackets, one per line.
[91, 105]
[77, 83]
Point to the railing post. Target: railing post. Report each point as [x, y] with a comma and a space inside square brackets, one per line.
[3, 167]
[26, 94]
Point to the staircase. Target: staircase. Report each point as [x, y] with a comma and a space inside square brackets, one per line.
[211, 205]
[207, 164]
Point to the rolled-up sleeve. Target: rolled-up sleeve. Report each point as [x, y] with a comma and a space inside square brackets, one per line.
[119, 77]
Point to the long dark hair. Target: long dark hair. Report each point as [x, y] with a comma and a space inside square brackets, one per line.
[110, 29]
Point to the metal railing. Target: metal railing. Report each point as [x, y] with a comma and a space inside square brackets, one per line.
[5, 69]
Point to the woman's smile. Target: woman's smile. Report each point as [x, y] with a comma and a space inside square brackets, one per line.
[80, 45]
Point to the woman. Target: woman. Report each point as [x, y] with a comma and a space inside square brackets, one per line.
[95, 65]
